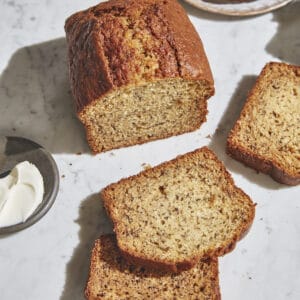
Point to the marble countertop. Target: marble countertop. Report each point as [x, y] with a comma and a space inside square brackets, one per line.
[50, 259]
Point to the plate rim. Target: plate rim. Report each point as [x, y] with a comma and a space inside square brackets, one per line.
[237, 13]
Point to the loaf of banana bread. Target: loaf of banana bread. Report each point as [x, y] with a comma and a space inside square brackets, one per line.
[138, 72]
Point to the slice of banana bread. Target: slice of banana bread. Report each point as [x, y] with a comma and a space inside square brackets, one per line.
[174, 214]
[112, 277]
[266, 136]
[138, 72]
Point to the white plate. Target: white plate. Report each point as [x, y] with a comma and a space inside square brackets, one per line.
[238, 9]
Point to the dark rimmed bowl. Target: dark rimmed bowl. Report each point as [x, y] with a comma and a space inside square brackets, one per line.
[18, 149]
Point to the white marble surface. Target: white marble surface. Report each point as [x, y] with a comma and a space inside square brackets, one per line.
[50, 259]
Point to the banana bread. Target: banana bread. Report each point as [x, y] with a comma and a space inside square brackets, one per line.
[112, 277]
[266, 136]
[173, 215]
[138, 72]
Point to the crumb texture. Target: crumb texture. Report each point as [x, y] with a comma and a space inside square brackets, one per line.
[136, 73]
[144, 113]
[269, 125]
[180, 211]
[112, 277]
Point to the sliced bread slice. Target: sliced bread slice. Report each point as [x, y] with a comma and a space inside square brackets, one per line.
[172, 215]
[112, 277]
[266, 136]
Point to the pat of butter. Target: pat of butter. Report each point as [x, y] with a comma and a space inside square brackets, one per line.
[21, 192]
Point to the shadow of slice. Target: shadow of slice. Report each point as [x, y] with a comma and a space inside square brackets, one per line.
[112, 257]
[285, 44]
[93, 223]
[218, 141]
[36, 101]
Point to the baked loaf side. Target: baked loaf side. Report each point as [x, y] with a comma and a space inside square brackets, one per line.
[138, 72]
[112, 277]
[174, 214]
[266, 136]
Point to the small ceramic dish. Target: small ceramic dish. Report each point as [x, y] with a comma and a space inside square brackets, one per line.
[234, 8]
[14, 150]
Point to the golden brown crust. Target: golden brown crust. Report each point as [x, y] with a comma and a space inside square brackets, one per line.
[261, 164]
[251, 158]
[93, 265]
[99, 65]
[171, 266]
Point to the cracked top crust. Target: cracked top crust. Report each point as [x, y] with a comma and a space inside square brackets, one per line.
[120, 43]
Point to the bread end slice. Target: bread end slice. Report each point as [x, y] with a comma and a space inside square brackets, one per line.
[266, 136]
[179, 212]
[112, 277]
